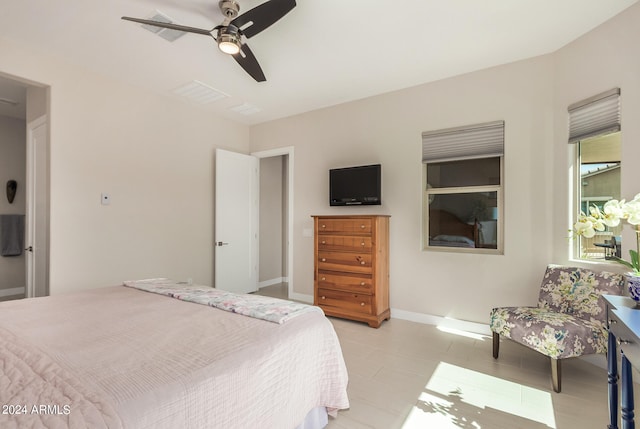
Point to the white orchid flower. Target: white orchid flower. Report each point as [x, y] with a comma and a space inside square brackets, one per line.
[584, 227]
[598, 224]
[611, 215]
[632, 212]
[612, 212]
[595, 212]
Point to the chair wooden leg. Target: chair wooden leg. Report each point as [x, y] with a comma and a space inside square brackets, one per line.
[556, 375]
[496, 345]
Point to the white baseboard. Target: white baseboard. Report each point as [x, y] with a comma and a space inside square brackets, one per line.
[12, 291]
[272, 282]
[597, 360]
[445, 322]
[301, 297]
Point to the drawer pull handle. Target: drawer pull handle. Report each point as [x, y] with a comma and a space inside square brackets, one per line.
[324, 259]
[361, 283]
[323, 278]
[362, 226]
[322, 297]
[323, 226]
[623, 342]
[362, 244]
[324, 242]
[362, 262]
[362, 304]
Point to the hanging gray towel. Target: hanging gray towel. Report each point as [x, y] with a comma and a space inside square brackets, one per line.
[11, 235]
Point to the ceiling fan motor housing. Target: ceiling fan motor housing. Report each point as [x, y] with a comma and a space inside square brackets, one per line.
[229, 8]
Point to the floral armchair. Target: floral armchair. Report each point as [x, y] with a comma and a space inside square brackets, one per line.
[569, 321]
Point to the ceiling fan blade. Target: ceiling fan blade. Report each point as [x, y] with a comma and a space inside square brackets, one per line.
[249, 63]
[169, 25]
[261, 17]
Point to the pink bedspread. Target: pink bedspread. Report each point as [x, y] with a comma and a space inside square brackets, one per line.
[116, 356]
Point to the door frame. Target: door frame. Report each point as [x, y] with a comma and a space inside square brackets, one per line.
[288, 151]
[42, 245]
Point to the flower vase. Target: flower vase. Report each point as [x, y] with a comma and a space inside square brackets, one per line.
[633, 283]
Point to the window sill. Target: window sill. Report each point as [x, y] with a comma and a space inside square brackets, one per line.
[601, 264]
[474, 250]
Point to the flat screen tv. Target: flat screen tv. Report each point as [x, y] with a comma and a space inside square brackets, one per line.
[361, 185]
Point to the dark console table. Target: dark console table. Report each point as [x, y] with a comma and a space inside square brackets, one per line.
[624, 332]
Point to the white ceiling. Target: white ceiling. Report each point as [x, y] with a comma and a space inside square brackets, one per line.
[323, 53]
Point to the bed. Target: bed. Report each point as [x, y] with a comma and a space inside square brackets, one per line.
[446, 229]
[121, 357]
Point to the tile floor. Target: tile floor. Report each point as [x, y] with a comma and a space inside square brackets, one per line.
[407, 375]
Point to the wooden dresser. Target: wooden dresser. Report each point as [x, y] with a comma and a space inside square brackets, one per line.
[351, 270]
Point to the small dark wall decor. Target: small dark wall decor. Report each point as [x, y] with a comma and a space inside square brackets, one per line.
[12, 186]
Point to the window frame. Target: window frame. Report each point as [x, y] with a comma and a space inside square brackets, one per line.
[427, 192]
[598, 115]
[575, 250]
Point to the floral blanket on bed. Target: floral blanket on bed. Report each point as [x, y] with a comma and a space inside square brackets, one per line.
[256, 306]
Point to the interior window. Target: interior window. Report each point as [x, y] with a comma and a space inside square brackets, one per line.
[462, 200]
[462, 184]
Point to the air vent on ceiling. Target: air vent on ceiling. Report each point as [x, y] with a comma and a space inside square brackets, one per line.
[165, 33]
[246, 109]
[199, 93]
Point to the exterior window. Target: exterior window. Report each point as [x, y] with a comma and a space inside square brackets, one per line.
[462, 198]
[599, 159]
[595, 129]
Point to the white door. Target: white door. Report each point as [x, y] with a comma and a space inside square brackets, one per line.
[37, 214]
[236, 222]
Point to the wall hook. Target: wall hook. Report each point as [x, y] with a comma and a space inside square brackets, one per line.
[12, 186]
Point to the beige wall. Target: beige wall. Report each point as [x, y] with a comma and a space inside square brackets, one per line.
[602, 59]
[387, 129]
[153, 155]
[12, 167]
[532, 97]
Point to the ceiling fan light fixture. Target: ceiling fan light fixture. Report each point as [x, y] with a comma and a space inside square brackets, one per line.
[232, 30]
[229, 40]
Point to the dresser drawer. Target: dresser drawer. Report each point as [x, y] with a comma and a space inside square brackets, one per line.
[346, 282]
[355, 302]
[344, 242]
[628, 342]
[344, 226]
[345, 261]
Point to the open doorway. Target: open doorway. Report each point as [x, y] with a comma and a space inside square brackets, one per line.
[276, 208]
[23, 168]
[12, 205]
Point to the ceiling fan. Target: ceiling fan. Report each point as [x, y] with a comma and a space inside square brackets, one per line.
[229, 34]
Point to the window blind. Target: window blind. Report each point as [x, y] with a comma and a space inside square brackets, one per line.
[597, 115]
[467, 142]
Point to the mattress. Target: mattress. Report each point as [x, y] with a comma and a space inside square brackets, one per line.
[120, 357]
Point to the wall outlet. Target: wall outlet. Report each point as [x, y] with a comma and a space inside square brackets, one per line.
[105, 199]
